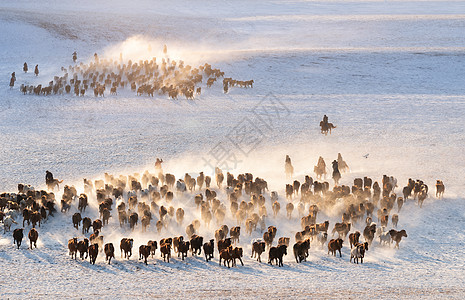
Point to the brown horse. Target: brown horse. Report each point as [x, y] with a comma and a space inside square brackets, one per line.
[320, 168]
[54, 183]
[326, 127]
[289, 169]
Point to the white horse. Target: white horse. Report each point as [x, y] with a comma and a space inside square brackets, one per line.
[7, 222]
[289, 169]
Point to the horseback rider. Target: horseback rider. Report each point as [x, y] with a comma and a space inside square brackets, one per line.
[326, 126]
[336, 173]
[48, 177]
[25, 68]
[325, 120]
[74, 56]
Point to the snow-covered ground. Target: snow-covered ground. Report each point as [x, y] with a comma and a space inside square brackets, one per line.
[389, 74]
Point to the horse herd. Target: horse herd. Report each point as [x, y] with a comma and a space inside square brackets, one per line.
[148, 197]
[167, 77]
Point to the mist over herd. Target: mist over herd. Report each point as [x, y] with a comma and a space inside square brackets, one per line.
[223, 150]
[183, 212]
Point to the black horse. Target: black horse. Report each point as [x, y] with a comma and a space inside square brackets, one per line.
[336, 173]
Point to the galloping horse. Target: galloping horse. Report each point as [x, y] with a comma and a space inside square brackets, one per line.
[343, 167]
[336, 173]
[54, 183]
[325, 127]
[320, 168]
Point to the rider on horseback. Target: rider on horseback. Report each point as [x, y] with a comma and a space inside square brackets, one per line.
[326, 126]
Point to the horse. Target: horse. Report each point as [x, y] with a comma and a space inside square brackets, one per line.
[336, 173]
[342, 164]
[325, 127]
[320, 168]
[54, 183]
[288, 168]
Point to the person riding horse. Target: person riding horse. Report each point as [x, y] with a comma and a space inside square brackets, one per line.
[51, 182]
[336, 173]
[326, 126]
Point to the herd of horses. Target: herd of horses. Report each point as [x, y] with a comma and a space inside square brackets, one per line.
[145, 77]
[237, 204]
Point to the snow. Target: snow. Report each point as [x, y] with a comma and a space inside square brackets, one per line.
[389, 74]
